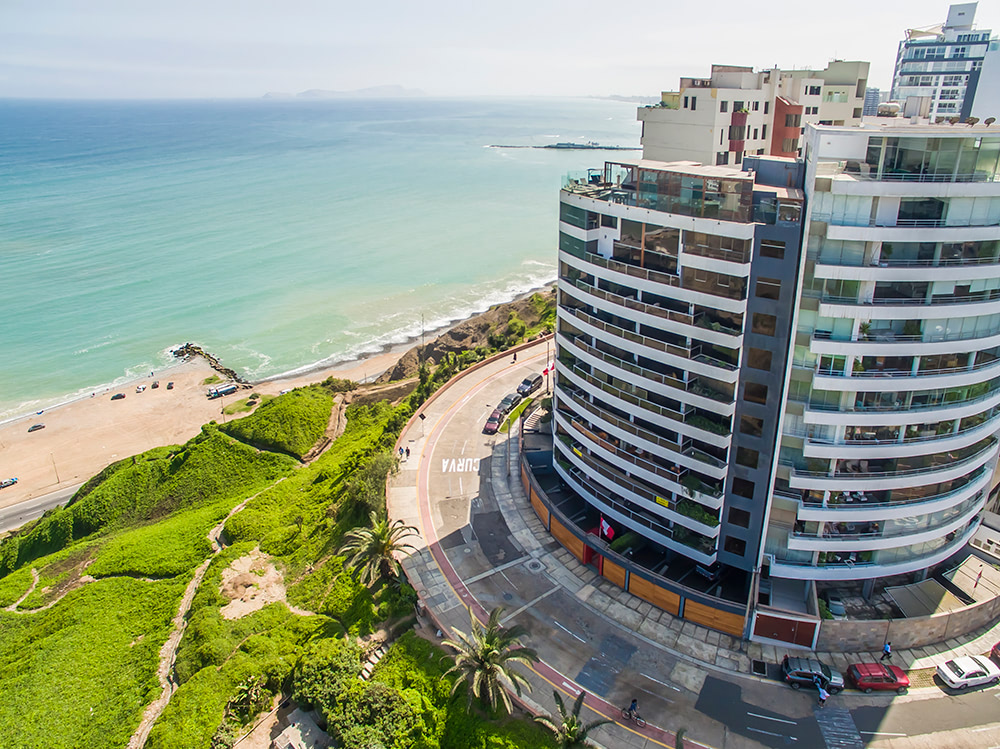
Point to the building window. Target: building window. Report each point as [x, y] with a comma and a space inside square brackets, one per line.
[722, 158]
[789, 145]
[685, 102]
[857, 113]
[755, 130]
[763, 129]
[768, 288]
[739, 517]
[722, 134]
[723, 106]
[738, 106]
[813, 91]
[694, 103]
[736, 546]
[747, 457]
[793, 120]
[743, 488]
[772, 248]
[754, 392]
[759, 358]
[609, 221]
[756, 106]
[760, 151]
[751, 425]
[766, 103]
[763, 324]
[739, 157]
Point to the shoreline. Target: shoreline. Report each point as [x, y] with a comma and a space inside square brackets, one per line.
[330, 365]
[85, 434]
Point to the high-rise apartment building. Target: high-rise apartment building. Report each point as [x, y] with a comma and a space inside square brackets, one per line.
[943, 62]
[737, 112]
[873, 98]
[791, 366]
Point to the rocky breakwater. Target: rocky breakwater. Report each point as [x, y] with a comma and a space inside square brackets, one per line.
[189, 350]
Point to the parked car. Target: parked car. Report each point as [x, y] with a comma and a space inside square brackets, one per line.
[36, 427]
[118, 396]
[507, 404]
[529, 385]
[140, 388]
[835, 604]
[7, 482]
[170, 386]
[493, 422]
[156, 384]
[799, 672]
[995, 652]
[968, 671]
[869, 677]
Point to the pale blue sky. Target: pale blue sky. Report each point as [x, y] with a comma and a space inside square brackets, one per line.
[224, 48]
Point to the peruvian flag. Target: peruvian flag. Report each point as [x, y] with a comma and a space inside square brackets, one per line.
[550, 368]
[607, 530]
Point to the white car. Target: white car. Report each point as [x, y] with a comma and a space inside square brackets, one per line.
[969, 671]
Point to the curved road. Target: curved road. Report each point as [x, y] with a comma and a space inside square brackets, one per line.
[484, 548]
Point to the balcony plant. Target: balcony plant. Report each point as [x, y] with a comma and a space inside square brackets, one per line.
[864, 329]
[696, 512]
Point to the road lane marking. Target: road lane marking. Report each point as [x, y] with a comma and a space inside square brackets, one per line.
[777, 720]
[884, 733]
[663, 683]
[568, 631]
[528, 605]
[771, 733]
[501, 568]
[459, 465]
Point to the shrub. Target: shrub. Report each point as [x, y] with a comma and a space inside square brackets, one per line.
[291, 423]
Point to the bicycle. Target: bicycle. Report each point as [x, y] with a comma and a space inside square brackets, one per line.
[634, 716]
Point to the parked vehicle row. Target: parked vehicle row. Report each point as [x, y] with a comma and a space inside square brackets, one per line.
[868, 677]
[504, 407]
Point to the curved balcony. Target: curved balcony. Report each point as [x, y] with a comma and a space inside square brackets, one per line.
[859, 537]
[689, 459]
[888, 343]
[899, 413]
[666, 417]
[896, 479]
[875, 448]
[891, 381]
[690, 392]
[689, 326]
[630, 514]
[865, 570]
[974, 305]
[688, 359]
[648, 280]
[869, 511]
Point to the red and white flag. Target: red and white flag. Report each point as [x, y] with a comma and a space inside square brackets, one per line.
[607, 530]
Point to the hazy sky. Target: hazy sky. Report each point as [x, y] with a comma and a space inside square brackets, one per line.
[223, 48]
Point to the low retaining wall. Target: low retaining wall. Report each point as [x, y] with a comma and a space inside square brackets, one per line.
[914, 632]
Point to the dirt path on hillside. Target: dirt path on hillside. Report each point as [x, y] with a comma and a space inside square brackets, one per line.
[168, 653]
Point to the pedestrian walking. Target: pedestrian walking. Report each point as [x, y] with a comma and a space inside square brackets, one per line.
[515, 358]
[823, 696]
[407, 453]
[886, 652]
[400, 453]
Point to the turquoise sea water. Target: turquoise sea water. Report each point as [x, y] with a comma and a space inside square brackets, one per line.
[278, 235]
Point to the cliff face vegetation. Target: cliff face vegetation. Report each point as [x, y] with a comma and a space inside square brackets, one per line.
[499, 328]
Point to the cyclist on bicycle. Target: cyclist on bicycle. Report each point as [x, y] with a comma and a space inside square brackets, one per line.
[633, 709]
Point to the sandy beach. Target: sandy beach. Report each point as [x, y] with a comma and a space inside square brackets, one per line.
[82, 437]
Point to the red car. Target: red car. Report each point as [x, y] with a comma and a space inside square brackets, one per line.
[995, 652]
[493, 423]
[871, 676]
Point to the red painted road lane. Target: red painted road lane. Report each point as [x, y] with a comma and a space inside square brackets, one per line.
[557, 680]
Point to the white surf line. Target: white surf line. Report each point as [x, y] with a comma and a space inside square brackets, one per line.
[568, 631]
[662, 683]
[984, 728]
[883, 733]
[776, 720]
[528, 605]
[501, 568]
[771, 733]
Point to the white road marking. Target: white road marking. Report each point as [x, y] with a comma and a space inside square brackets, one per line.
[461, 489]
[501, 568]
[663, 683]
[880, 733]
[770, 733]
[777, 720]
[571, 687]
[463, 446]
[567, 631]
[459, 465]
[528, 605]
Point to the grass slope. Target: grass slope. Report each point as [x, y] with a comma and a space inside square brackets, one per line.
[291, 423]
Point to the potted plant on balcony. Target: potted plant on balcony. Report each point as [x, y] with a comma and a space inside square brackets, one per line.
[864, 329]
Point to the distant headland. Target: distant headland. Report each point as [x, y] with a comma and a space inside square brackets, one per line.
[371, 92]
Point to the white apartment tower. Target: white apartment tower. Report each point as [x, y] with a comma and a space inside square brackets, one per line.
[737, 112]
[944, 63]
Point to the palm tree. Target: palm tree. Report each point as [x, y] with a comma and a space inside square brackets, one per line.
[570, 731]
[372, 550]
[485, 657]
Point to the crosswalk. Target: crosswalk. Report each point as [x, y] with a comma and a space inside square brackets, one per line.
[838, 728]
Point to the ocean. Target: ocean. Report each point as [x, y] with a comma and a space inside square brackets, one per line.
[278, 235]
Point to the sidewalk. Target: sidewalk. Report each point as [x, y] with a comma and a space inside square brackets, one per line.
[478, 527]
